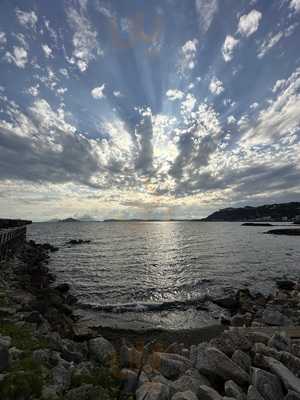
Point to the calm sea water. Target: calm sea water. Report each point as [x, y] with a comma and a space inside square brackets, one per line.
[151, 274]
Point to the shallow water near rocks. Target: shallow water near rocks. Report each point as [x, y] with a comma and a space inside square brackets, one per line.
[151, 274]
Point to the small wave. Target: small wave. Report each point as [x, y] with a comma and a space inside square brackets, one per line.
[146, 307]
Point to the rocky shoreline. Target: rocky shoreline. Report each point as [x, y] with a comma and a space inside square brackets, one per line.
[45, 353]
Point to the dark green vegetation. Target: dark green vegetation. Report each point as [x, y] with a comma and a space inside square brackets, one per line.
[270, 212]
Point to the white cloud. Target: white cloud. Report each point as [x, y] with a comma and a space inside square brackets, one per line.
[231, 119]
[216, 86]
[188, 56]
[268, 43]
[188, 104]
[254, 106]
[61, 91]
[98, 92]
[19, 57]
[278, 85]
[3, 39]
[295, 5]
[249, 23]
[85, 42]
[228, 47]
[27, 19]
[206, 10]
[33, 90]
[47, 50]
[117, 93]
[174, 94]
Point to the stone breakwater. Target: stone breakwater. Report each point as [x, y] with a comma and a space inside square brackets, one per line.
[45, 353]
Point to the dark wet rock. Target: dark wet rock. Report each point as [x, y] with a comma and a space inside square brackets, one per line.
[63, 287]
[208, 393]
[289, 232]
[34, 317]
[228, 302]
[50, 247]
[253, 394]
[4, 358]
[267, 384]
[71, 300]
[242, 359]
[280, 342]
[153, 391]
[73, 242]
[289, 380]
[234, 390]
[187, 395]
[241, 320]
[130, 380]
[273, 317]
[101, 350]
[286, 284]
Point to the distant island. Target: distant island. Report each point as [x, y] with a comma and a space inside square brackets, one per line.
[285, 212]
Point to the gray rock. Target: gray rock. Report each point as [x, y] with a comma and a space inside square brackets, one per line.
[191, 380]
[289, 380]
[258, 337]
[271, 316]
[242, 359]
[290, 361]
[50, 393]
[15, 354]
[101, 350]
[61, 377]
[230, 341]
[233, 390]
[187, 395]
[268, 385]
[292, 396]
[164, 381]
[84, 392]
[208, 393]
[4, 358]
[193, 355]
[280, 342]
[171, 365]
[153, 391]
[253, 394]
[216, 363]
[42, 356]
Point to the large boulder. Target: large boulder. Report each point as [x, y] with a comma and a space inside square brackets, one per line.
[267, 384]
[215, 363]
[191, 380]
[230, 341]
[292, 396]
[130, 380]
[130, 357]
[289, 380]
[101, 350]
[280, 342]
[253, 394]
[153, 391]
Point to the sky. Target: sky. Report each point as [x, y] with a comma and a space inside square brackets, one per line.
[147, 109]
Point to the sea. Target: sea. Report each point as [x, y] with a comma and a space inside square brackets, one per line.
[145, 275]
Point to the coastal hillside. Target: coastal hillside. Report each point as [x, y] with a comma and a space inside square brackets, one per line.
[268, 212]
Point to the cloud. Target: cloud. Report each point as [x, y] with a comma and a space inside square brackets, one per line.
[117, 93]
[3, 39]
[249, 23]
[28, 19]
[19, 57]
[188, 56]
[85, 38]
[174, 94]
[206, 10]
[228, 47]
[47, 50]
[254, 106]
[98, 92]
[216, 86]
[269, 43]
[295, 5]
[33, 90]
[231, 119]
[278, 85]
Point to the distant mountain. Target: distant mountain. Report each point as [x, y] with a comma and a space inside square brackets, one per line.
[268, 212]
[68, 220]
